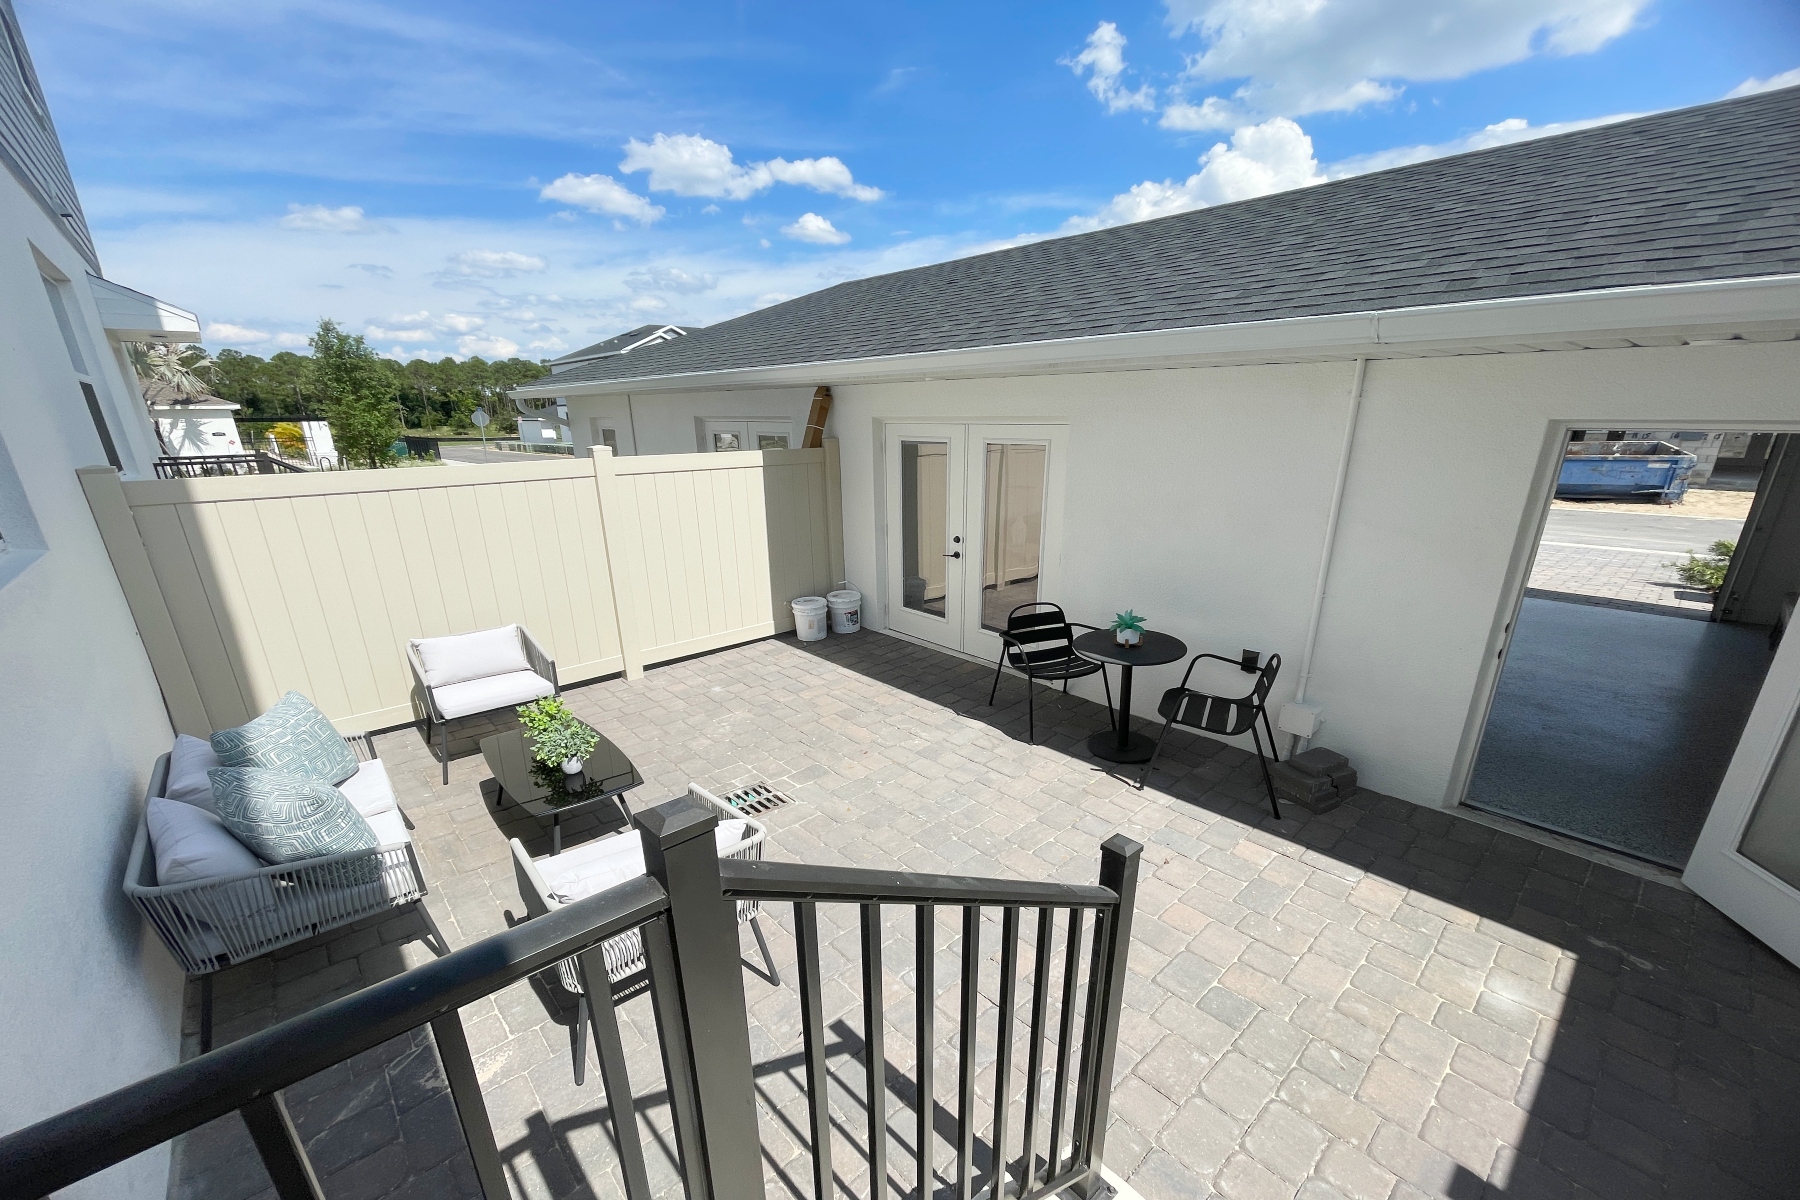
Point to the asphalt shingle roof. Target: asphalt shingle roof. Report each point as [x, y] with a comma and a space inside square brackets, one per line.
[1701, 193]
[618, 342]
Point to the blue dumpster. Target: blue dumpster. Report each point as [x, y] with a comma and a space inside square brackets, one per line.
[1642, 470]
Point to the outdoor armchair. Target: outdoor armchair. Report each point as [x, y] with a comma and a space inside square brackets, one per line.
[1222, 710]
[467, 674]
[1039, 643]
[546, 884]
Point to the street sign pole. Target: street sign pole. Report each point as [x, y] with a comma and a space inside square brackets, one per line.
[480, 417]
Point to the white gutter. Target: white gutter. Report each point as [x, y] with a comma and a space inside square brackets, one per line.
[1325, 552]
[1665, 310]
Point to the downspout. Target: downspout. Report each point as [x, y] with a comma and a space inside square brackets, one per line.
[631, 421]
[1331, 524]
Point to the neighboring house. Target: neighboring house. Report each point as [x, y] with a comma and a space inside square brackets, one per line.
[1323, 423]
[191, 426]
[546, 419]
[88, 1007]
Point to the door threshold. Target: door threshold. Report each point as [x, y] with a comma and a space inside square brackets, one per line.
[1606, 856]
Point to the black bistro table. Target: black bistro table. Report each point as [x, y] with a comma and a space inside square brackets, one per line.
[544, 791]
[1119, 744]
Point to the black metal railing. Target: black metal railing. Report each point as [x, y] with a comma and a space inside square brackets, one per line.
[208, 466]
[684, 913]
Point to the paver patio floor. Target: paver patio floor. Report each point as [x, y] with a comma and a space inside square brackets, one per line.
[1380, 1001]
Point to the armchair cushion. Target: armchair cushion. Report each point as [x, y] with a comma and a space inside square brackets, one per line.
[465, 656]
[293, 737]
[189, 762]
[190, 844]
[369, 790]
[285, 818]
[490, 692]
[609, 861]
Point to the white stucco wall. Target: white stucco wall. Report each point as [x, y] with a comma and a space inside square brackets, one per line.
[91, 999]
[1199, 497]
[669, 422]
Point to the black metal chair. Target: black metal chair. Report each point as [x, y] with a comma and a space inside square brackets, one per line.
[1040, 644]
[1222, 716]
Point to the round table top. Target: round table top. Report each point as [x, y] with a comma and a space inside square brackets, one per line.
[1152, 651]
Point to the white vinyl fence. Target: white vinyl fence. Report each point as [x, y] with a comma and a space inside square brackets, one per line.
[246, 587]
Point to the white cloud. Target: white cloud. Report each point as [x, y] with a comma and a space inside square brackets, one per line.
[492, 264]
[689, 165]
[670, 279]
[811, 227]
[462, 322]
[1103, 61]
[1751, 87]
[1305, 56]
[398, 335]
[375, 269]
[316, 218]
[1271, 157]
[291, 341]
[1500, 133]
[486, 346]
[1210, 113]
[225, 333]
[602, 194]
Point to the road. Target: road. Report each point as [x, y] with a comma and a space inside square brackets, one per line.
[1636, 531]
[469, 454]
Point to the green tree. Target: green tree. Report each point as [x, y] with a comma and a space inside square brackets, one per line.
[358, 395]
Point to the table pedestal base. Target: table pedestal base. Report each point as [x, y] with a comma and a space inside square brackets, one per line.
[1105, 745]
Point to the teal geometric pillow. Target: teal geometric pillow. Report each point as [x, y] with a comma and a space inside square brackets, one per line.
[285, 818]
[294, 737]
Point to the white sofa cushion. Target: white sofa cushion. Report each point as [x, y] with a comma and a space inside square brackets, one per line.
[189, 844]
[465, 656]
[606, 863]
[494, 691]
[390, 827]
[369, 790]
[189, 761]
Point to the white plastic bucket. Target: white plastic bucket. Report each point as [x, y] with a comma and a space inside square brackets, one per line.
[846, 609]
[809, 618]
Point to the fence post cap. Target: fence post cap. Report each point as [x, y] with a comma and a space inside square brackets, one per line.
[675, 821]
[1118, 843]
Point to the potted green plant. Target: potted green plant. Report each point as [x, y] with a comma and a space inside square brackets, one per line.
[557, 735]
[1128, 628]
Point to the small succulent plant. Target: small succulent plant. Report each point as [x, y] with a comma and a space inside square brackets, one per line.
[556, 733]
[1127, 620]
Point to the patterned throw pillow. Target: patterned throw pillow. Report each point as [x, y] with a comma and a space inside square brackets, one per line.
[294, 737]
[285, 818]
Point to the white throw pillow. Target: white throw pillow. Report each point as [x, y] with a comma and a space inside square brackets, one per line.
[189, 761]
[610, 861]
[465, 656]
[191, 844]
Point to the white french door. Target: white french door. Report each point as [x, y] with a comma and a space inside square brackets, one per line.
[972, 525]
[1747, 861]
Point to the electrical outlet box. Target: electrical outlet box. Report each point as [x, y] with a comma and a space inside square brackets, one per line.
[1301, 720]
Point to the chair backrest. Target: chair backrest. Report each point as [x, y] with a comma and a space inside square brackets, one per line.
[1037, 632]
[1226, 716]
[461, 657]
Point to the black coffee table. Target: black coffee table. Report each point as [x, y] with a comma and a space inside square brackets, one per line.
[544, 791]
[1119, 744]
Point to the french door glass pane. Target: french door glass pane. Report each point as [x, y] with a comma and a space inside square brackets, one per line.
[1013, 529]
[924, 496]
[1772, 838]
[771, 441]
[724, 443]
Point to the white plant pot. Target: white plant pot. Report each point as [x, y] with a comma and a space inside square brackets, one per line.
[572, 766]
[1127, 637]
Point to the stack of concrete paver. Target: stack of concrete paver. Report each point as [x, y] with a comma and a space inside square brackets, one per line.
[1317, 779]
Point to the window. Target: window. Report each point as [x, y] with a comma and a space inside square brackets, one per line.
[721, 435]
[60, 306]
[21, 542]
[603, 436]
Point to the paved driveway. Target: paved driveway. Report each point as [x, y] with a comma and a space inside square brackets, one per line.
[1622, 559]
[1383, 1001]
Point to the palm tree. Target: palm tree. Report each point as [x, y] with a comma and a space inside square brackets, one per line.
[178, 373]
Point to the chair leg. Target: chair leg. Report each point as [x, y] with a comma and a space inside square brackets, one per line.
[581, 1037]
[206, 1013]
[1030, 712]
[1268, 781]
[1107, 684]
[1154, 751]
[1274, 749]
[442, 949]
[444, 747]
[995, 690]
[762, 943]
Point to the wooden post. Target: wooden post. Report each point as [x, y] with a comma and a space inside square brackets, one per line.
[814, 436]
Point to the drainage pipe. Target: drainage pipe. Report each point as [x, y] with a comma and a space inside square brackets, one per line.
[1331, 524]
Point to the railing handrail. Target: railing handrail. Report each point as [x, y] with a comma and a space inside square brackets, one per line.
[177, 466]
[813, 883]
[72, 1145]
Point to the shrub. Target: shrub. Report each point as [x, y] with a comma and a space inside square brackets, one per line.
[1706, 573]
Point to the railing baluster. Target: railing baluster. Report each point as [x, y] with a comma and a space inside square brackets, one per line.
[812, 1026]
[1119, 860]
[1034, 1054]
[678, 1068]
[471, 1109]
[1065, 1030]
[604, 1021]
[874, 1049]
[925, 1009]
[279, 1144]
[965, 1074]
[1093, 1013]
[1009, 997]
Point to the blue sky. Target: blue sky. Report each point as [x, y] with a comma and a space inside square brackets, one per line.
[461, 178]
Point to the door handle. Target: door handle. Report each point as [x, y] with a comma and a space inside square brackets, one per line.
[956, 554]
